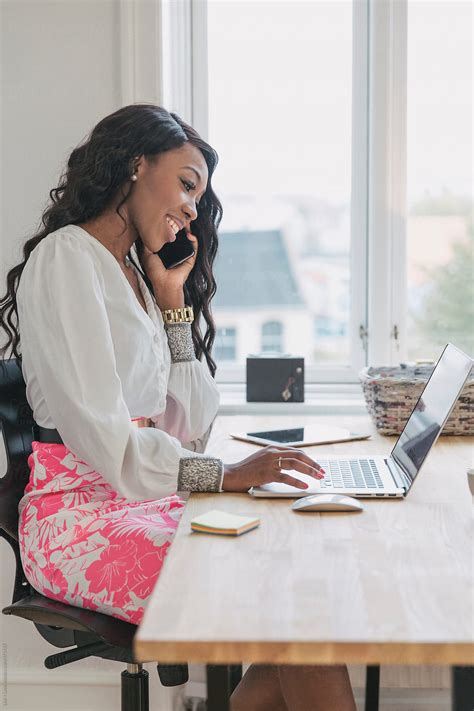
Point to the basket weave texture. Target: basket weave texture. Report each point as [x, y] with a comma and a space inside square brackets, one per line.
[391, 393]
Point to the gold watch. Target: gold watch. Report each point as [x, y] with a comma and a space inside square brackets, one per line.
[181, 315]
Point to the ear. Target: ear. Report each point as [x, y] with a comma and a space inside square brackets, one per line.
[137, 163]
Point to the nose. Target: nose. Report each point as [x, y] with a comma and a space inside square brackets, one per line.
[190, 210]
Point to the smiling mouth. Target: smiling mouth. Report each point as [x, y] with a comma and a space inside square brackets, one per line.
[174, 224]
[171, 231]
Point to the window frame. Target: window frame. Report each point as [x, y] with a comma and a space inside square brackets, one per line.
[377, 328]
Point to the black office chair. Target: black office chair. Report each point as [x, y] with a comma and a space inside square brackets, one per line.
[85, 632]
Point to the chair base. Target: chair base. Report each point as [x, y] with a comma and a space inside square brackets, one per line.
[135, 688]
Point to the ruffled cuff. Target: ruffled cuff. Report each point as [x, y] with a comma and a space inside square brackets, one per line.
[180, 341]
[200, 443]
[200, 474]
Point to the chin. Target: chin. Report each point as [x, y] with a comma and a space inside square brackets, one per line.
[153, 244]
[159, 244]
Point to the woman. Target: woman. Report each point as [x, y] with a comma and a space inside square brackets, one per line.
[112, 364]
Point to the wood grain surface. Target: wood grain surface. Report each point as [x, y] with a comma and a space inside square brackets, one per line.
[389, 585]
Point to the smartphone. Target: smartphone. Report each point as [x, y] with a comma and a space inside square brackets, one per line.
[174, 253]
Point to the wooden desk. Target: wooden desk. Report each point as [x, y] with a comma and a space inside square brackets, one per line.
[390, 585]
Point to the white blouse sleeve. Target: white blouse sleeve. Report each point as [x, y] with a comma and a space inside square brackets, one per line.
[192, 399]
[62, 313]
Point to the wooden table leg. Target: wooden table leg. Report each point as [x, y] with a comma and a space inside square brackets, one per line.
[462, 688]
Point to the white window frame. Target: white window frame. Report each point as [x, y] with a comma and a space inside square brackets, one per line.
[164, 59]
[386, 204]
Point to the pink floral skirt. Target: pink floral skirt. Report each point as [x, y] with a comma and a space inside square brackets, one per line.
[83, 544]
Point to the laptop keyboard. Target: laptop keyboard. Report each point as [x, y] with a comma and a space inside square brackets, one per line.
[350, 473]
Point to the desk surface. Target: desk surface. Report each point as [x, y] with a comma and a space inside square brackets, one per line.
[391, 585]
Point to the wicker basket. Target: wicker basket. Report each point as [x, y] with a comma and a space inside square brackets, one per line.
[391, 394]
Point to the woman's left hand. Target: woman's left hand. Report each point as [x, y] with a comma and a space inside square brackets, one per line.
[168, 282]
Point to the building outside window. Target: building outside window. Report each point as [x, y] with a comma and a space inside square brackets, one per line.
[272, 337]
[225, 344]
[440, 231]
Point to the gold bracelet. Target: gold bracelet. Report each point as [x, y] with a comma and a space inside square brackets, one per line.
[181, 315]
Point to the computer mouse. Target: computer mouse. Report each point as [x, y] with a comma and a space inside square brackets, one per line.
[327, 502]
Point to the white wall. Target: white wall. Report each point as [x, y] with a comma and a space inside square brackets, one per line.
[60, 64]
[60, 75]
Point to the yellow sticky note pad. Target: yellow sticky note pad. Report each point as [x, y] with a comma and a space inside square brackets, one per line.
[223, 523]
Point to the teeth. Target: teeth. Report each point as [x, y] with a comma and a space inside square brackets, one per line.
[175, 227]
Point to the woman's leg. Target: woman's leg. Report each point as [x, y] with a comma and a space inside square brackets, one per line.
[294, 688]
[316, 688]
[259, 690]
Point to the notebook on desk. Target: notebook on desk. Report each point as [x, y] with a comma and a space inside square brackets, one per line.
[393, 476]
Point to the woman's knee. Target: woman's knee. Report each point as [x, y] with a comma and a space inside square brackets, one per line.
[259, 690]
[316, 687]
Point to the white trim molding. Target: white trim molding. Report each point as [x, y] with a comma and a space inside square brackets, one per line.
[177, 41]
[398, 184]
[141, 56]
[387, 181]
[185, 63]
[359, 185]
[79, 689]
[199, 89]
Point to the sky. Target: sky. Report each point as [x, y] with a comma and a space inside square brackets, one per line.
[280, 91]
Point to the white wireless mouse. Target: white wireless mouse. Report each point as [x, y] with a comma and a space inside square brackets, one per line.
[327, 502]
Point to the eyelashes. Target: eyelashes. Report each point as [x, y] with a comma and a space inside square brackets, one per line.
[190, 186]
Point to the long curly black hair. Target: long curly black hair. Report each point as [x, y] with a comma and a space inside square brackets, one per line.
[95, 171]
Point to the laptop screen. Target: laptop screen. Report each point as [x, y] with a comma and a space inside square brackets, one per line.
[431, 411]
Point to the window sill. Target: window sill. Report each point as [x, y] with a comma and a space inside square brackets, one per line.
[319, 400]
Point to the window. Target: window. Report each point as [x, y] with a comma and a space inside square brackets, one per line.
[280, 118]
[343, 131]
[225, 344]
[272, 337]
[440, 237]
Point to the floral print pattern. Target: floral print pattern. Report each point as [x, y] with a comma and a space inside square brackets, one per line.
[83, 544]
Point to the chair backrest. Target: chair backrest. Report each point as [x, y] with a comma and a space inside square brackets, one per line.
[16, 429]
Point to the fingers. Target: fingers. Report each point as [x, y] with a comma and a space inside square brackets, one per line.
[192, 238]
[287, 479]
[296, 455]
[313, 469]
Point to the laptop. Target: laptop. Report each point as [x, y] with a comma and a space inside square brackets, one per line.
[371, 475]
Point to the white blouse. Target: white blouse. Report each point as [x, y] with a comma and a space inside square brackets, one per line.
[92, 360]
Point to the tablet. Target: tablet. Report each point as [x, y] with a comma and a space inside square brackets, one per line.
[301, 436]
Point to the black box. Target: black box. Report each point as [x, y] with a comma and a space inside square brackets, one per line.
[275, 379]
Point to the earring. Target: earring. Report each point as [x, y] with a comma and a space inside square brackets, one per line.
[134, 177]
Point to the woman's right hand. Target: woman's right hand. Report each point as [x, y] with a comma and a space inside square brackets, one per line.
[262, 467]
